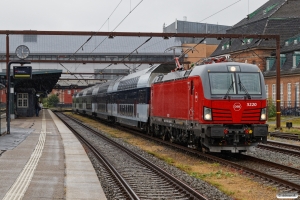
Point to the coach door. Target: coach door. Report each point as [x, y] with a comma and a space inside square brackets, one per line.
[191, 101]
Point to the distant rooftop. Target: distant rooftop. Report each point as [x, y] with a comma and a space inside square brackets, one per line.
[196, 27]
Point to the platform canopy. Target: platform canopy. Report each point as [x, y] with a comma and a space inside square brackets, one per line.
[42, 81]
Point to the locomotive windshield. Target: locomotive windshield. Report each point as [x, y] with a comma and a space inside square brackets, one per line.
[235, 83]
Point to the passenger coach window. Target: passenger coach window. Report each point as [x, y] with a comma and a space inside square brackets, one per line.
[142, 96]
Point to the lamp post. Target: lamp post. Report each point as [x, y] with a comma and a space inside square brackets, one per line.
[8, 91]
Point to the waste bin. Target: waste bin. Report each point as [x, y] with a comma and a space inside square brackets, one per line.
[289, 125]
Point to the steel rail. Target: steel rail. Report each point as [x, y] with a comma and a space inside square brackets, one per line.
[291, 146]
[104, 161]
[219, 160]
[164, 173]
[227, 163]
[286, 136]
[281, 147]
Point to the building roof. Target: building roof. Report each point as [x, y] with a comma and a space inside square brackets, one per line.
[279, 17]
[46, 44]
[195, 27]
[42, 81]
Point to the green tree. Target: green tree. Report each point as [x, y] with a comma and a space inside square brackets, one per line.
[52, 100]
[271, 109]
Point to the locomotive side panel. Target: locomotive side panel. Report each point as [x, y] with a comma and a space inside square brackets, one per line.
[171, 99]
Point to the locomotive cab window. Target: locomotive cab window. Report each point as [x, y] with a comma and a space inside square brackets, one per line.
[248, 83]
[222, 83]
[235, 83]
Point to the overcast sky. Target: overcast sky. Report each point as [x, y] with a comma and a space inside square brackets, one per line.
[143, 15]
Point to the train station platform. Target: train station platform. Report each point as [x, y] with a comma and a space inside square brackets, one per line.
[42, 159]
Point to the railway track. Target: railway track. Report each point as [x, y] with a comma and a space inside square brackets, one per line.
[285, 175]
[289, 136]
[281, 175]
[134, 175]
[281, 147]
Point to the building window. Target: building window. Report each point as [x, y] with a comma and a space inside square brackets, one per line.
[270, 63]
[69, 91]
[267, 91]
[289, 95]
[29, 38]
[274, 93]
[296, 58]
[286, 43]
[249, 41]
[295, 41]
[282, 60]
[22, 100]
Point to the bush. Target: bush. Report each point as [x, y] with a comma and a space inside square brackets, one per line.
[271, 109]
[52, 100]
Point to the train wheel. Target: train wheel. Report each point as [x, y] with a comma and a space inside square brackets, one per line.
[200, 145]
[156, 130]
[165, 134]
[148, 129]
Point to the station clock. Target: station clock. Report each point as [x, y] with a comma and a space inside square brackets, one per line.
[22, 52]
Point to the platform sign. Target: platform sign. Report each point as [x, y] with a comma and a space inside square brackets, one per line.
[22, 72]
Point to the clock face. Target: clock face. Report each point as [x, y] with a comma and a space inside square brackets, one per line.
[22, 51]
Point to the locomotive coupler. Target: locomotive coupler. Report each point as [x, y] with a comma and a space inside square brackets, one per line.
[236, 138]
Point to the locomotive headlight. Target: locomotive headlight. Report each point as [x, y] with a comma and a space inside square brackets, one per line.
[232, 69]
[263, 115]
[207, 114]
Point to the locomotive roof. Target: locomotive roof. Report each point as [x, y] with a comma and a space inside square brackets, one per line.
[202, 69]
[245, 67]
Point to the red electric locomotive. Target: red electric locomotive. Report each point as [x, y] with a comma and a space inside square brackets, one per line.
[214, 107]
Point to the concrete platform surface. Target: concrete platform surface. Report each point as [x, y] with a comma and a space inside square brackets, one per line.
[42, 159]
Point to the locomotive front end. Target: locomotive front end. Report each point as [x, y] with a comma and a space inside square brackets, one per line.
[234, 110]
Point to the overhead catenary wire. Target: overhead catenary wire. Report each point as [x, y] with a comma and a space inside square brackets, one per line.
[133, 9]
[129, 53]
[81, 47]
[98, 29]
[68, 70]
[221, 10]
[115, 28]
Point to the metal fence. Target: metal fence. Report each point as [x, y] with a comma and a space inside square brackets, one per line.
[289, 108]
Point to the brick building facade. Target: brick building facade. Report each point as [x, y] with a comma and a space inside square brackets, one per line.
[279, 17]
[65, 95]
